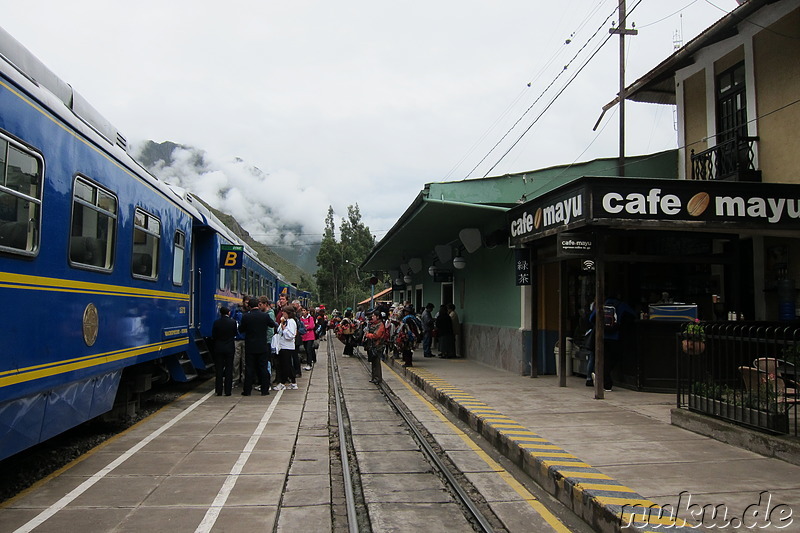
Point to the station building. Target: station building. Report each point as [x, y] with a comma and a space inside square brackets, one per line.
[713, 224]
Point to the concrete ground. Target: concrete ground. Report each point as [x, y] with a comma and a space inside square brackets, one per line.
[617, 455]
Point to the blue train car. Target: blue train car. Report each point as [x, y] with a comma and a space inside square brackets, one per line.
[109, 278]
[94, 269]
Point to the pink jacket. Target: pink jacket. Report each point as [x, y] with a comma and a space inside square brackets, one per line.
[310, 324]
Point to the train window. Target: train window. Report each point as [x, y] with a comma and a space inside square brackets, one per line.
[245, 288]
[178, 254]
[93, 227]
[20, 198]
[235, 280]
[223, 279]
[146, 240]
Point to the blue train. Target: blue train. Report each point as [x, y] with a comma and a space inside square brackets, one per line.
[109, 278]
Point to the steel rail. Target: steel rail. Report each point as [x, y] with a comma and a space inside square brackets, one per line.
[434, 457]
[352, 516]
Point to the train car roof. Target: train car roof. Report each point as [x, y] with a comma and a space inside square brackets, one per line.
[32, 76]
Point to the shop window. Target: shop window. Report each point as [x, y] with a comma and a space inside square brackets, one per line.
[178, 255]
[146, 240]
[20, 198]
[93, 226]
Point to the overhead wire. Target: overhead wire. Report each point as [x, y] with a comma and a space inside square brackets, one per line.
[554, 56]
[546, 89]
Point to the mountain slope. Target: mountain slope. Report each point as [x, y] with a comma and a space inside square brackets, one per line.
[227, 187]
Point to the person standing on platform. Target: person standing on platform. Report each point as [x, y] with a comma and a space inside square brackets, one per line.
[408, 334]
[618, 321]
[309, 338]
[375, 337]
[286, 332]
[223, 332]
[427, 330]
[457, 349]
[238, 354]
[254, 326]
[346, 329]
[444, 329]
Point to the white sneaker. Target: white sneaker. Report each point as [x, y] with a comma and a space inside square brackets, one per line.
[293, 386]
[279, 386]
[306, 367]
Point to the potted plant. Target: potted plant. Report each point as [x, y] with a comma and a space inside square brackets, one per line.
[693, 338]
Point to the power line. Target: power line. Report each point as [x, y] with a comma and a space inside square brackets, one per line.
[546, 89]
[569, 82]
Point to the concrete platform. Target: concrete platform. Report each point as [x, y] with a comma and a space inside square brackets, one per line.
[614, 460]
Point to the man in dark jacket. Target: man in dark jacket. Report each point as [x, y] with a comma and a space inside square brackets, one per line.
[223, 332]
[257, 350]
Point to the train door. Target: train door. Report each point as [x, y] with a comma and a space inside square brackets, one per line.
[202, 276]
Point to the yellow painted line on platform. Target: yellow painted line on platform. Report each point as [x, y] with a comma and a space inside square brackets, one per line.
[653, 518]
[535, 445]
[601, 486]
[587, 475]
[549, 463]
[532, 438]
[632, 502]
[539, 446]
[537, 506]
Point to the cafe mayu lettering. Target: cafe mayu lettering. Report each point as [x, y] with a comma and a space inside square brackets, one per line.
[561, 212]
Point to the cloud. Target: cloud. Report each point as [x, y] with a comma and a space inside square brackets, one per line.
[357, 102]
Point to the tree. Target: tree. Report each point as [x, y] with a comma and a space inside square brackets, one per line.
[328, 260]
[339, 282]
[357, 241]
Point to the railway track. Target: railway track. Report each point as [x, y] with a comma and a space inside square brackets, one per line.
[474, 509]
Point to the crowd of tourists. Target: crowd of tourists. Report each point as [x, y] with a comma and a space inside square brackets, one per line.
[258, 345]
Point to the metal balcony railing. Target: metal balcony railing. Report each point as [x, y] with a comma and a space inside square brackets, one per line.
[729, 160]
[744, 372]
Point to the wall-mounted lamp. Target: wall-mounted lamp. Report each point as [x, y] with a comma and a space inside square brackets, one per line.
[407, 279]
[459, 262]
[398, 281]
[432, 270]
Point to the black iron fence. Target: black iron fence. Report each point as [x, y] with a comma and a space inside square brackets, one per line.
[743, 372]
[729, 160]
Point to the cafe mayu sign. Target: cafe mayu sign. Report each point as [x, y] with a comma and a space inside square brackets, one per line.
[711, 205]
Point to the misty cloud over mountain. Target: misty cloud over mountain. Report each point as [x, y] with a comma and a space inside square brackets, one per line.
[274, 208]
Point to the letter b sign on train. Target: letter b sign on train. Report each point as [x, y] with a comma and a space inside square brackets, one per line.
[231, 256]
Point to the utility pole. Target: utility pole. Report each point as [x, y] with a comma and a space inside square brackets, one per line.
[622, 31]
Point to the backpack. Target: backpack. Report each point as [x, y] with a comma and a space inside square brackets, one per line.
[412, 328]
[610, 318]
[301, 328]
[403, 340]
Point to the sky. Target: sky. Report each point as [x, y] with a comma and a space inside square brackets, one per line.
[361, 101]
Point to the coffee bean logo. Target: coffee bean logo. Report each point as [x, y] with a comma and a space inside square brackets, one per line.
[698, 204]
[537, 219]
